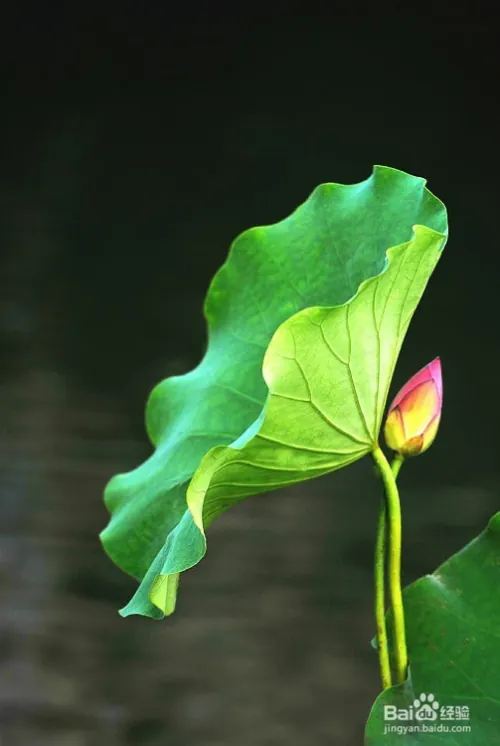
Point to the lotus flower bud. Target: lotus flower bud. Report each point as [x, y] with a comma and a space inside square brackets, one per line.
[414, 415]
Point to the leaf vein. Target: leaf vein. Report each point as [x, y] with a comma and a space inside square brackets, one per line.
[334, 353]
[238, 393]
[266, 467]
[400, 325]
[353, 385]
[297, 447]
[325, 416]
[379, 355]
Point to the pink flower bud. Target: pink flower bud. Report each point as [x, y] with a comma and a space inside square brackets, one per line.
[414, 415]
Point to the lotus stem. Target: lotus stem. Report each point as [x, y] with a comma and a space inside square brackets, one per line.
[382, 643]
[389, 523]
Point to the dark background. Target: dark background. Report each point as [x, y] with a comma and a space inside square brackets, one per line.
[134, 147]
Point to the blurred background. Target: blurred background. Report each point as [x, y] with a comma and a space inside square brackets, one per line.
[134, 147]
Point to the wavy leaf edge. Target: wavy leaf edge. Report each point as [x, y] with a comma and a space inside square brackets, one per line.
[163, 586]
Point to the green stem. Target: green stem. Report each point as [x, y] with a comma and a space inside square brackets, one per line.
[397, 464]
[382, 644]
[390, 507]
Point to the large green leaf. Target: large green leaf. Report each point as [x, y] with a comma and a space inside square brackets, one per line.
[453, 631]
[328, 371]
[316, 257]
